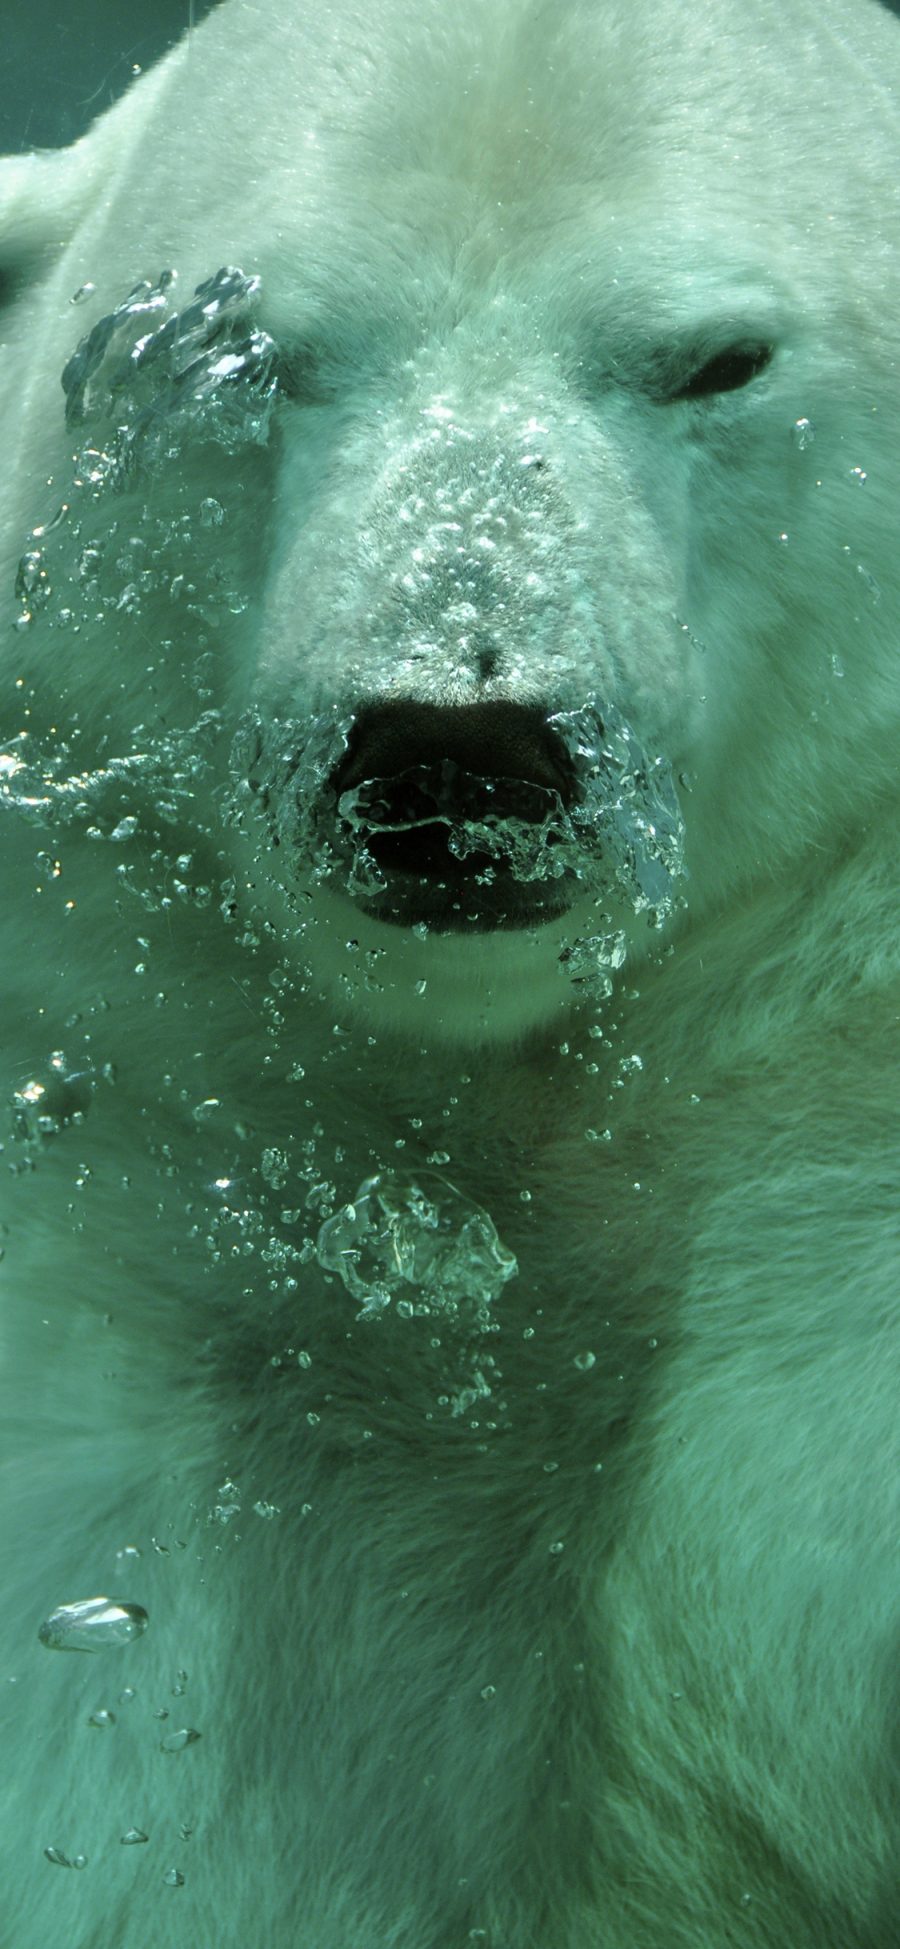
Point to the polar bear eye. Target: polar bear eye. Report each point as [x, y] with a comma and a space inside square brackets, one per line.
[727, 372]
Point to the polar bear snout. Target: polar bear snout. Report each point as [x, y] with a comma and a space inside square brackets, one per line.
[453, 811]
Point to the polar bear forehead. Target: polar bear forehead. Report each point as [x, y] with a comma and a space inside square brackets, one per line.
[424, 79]
[300, 125]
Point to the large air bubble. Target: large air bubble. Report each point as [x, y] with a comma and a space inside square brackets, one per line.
[93, 1624]
[152, 368]
[415, 1241]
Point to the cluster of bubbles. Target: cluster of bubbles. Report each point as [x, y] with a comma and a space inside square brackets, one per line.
[152, 368]
[145, 377]
[148, 380]
[42, 788]
[414, 1240]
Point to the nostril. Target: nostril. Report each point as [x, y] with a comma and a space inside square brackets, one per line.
[495, 740]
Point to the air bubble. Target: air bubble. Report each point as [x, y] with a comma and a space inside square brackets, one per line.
[176, 1742]
[93, 1624]
[874, 588]
[416, 1232]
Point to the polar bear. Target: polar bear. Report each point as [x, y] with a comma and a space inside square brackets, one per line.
[450, 716]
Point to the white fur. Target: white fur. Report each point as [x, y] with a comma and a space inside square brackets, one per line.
[607, 1658]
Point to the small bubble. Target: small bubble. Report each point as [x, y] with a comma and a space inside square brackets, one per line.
[202, 1112]
[173, 1878]
[175, 1742]
[228, 1504]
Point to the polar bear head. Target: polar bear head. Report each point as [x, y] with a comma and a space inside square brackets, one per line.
[475, 472]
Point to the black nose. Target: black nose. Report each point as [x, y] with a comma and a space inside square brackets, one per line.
[496, 740]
